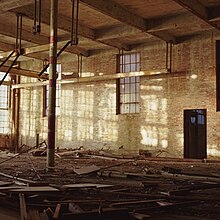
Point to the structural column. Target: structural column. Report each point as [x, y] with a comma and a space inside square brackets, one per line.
[52, 84]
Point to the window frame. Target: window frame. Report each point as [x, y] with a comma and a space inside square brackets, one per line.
[128, 83]
[4, 107]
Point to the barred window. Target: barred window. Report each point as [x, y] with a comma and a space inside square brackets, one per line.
[4, 107]
[128, 89]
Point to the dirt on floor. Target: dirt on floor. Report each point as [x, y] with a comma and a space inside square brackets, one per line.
[91, 186]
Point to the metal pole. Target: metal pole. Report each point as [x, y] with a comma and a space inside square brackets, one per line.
[52, 84]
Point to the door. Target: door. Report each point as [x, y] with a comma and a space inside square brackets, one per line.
[195, 133]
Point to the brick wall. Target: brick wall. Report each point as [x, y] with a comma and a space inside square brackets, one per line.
[88, 110]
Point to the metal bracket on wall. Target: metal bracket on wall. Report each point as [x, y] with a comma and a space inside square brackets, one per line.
[75, 21]
[74, 32]
[17, 50]
[169, 54]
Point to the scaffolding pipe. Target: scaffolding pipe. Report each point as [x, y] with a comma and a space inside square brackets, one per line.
[52, 84]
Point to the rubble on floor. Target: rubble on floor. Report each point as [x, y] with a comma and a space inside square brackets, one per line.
[107, 187]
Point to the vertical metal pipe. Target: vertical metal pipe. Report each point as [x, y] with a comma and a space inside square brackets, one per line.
[52, 84]
[171, 55]
[37, 140]
[167, 51]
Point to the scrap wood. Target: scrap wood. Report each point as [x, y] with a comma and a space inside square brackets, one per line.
[183, 191]
[22, 152]
[168, 216]
[57, 213]
[23, 208]
[3, 183]
[33, 167]
[136, 202]
[161, 196]
[16, 178]
[171, 170]
[33, 189]
[105, 213]
[140, 216]
[87, 170]
[8, 188]
[33, 214]
[113, 174]
[166, 206]
[85, 185]
[116, 165]
[188, 177]
[72, 207]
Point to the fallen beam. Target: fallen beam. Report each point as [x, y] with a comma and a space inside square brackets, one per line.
[16, 178]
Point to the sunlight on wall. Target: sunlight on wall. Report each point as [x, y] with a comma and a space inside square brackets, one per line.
[85, 74]
[154, 131]
[29, 108]
[107, 125]
[213, 151]
[154, 88]
[149, 137]
[85, 106]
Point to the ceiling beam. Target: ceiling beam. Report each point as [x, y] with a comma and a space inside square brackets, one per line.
[199, 10]
[42, 48]
[117, 12]
[9, 30]
[22, 72]
[6, 5]
[214, 13]
[117, 32]
[9, 48]
[65, 24]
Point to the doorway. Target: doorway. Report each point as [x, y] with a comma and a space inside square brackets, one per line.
[195, 140]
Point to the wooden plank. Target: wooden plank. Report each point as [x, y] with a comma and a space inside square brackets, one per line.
[106, 213]
[86, 185]
[37, 189]
[23, 209]
[4, 183]
[16, 178]
[57, 211]
[8, 188]
[87, 170]
[33, 214]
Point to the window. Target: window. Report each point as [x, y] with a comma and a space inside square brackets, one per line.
[128, 89]
[58, 94]
[4, 106]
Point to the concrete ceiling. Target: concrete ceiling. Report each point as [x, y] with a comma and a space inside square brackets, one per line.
[119, 24]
